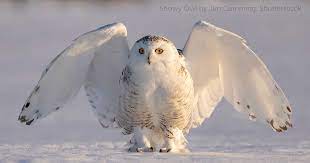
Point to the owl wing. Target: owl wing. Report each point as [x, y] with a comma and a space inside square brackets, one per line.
[222, 65]
[94, 60]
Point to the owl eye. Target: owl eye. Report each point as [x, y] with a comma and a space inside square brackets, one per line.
[159, 50]
[141, 51]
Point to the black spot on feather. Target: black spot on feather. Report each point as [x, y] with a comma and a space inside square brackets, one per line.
[277, 87]
[288, 123]
[22, 119]
[284, 128]
[126, 75]
[271, 123]
[29, 122]
[180, 52]
[27, 104]
[37, 88]
[252, 116]
[151, 38]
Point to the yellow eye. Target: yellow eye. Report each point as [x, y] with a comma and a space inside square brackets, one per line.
[159, 50]
[141, 51]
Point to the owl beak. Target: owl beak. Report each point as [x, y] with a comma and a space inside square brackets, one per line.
[149, 59]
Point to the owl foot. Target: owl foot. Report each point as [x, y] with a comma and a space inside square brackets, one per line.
[140, 142]
[173, 150]
[175, 142]
[164, 150]
[141, 149]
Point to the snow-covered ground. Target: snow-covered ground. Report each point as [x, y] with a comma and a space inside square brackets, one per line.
[33, 32]
[224, 150]
[110, 146]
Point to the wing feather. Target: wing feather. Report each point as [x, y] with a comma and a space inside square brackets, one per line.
[245, 80]
[75, 67]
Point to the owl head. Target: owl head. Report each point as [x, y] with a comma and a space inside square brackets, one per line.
[152, 50]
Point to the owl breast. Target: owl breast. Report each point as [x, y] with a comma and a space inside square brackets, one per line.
[155, 99]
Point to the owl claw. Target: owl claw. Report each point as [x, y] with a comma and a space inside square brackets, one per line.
[140, 150]
[151, 149]
[164, 150]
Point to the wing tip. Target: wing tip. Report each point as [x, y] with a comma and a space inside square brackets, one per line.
[29, 115]
[23, 119]
[202, 23]
[119, 26]
[279, 128]
[220, 31]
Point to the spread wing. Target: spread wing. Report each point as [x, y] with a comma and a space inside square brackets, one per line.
[94, 60]
[222, 65]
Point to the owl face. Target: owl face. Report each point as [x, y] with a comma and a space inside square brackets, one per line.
[153, 50]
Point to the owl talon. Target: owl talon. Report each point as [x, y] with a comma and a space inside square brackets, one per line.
[164, 150]
[135, 149]
[151, 149]
[140, 150]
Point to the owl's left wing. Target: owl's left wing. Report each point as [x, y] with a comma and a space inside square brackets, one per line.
[222, 65]
[94, 60]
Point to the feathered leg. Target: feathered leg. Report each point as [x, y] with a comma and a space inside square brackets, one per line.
[174, 141]
[140, 142]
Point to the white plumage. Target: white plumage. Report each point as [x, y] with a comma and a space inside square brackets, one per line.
[155, 92]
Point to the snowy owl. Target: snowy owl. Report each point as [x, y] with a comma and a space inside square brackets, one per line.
[155, 92]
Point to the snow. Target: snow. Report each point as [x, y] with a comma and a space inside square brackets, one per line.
[33, 32]
[213, 149]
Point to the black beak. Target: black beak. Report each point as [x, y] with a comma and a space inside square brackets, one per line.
[149, 60]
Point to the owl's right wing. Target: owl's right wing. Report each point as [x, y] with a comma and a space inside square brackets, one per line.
[222, 65]
[94, 60]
